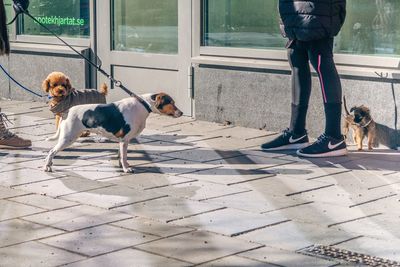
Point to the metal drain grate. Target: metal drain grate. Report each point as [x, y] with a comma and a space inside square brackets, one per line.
[348, 256]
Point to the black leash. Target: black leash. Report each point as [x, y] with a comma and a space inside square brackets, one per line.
[21, 7]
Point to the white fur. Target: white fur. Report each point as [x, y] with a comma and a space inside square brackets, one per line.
[70, 128]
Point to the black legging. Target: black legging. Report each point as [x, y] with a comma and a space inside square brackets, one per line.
[320, 54]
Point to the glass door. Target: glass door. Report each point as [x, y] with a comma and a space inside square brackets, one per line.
[147, 45]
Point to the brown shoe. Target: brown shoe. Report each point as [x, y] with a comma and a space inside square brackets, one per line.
[9, 139]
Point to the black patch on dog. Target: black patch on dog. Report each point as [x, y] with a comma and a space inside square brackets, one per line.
[106, 116]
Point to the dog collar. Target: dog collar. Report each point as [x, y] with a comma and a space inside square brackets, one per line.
[366, 125]
[145, 104]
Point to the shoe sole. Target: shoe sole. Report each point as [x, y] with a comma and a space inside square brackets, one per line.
[13, 147]
[335, 153]
[287, 147]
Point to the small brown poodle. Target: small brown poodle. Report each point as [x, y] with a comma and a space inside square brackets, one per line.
[63, 96]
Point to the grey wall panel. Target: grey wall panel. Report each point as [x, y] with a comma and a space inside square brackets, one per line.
[31, 69]
[262, 98]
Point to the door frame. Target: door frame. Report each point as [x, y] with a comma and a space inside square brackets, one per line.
[181, 62]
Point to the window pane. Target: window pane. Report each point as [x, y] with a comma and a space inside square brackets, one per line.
[9, 14]
[372, 27]
[242, 23]
[66, 18]
[148, 26]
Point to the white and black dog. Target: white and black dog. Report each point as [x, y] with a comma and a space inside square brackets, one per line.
[121, 120]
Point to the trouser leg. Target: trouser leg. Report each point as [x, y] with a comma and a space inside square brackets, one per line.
[301, 87]
[321, 57]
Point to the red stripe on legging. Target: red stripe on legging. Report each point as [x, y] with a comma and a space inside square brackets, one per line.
[321, 79]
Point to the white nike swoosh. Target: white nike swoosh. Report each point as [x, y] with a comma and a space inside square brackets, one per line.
[331, 147]
[291, 140]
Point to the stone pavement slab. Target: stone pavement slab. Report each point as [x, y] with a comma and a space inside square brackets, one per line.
[76, 218]
[156, 228]
[203, 194]
[43, 202]
[235, 261]
[230, 222]
[62, 186]
[98, 240]
[285, 258]
[207, 247]
[129, 258]
[293, 235]
[18, 231]
[36, 254]
[11, 210]
[168, 209]
[200, 190]
[114, 196]
[148, 180]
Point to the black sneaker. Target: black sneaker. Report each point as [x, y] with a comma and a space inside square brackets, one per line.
[325, 146]
[287, 140]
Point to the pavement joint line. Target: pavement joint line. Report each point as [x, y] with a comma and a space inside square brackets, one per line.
[347, 240]
[23, 113]
[160, 255]
[372, 200]
[179, 123]
[390, 173]
[384, 185]
[356, 219]
[83, 191]
[252, 180]
[195, 214]
[167, 185]
[137, 202]
[288, 207]
[225, 195]
[260, 136]
[183, 150]
[33, 182]
[27, 126]
[78, 229]
[236, 254]
[329, 174]
[66, 250]
[274, 264]
[309, 190]
[259, 228]
[198, 170]
[24, 195]
[38, 107]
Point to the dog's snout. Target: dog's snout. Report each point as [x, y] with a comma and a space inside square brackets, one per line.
[178, 113]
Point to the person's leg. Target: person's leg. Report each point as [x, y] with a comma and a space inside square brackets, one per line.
[321, 57]
[301, 87]
[4, 41]
[9, 139]
[331, 143]
[295, 137]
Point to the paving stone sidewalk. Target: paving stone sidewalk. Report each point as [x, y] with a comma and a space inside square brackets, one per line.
[203, 195]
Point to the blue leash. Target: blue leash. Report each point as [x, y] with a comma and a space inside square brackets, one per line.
[20, 85]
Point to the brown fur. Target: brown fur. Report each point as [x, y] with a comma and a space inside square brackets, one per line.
[361, 123]
[58, 86]
[165, 104]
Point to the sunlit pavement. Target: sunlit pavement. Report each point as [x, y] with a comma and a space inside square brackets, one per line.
[203, 194]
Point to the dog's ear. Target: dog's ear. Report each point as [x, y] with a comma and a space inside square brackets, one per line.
[365, 109]
[353, 108]
[153, 97]
[68, 84]
[46, 85]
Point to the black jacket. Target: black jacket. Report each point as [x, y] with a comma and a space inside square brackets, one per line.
[308, 20]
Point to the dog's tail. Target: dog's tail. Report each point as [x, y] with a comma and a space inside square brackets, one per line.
[4, 41]
[103, 88]
[57, 134]
[345, 105]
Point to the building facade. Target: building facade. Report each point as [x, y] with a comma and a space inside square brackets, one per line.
[223, 60]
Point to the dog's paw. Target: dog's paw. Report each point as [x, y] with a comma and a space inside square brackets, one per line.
[47, 169]
[129, 170]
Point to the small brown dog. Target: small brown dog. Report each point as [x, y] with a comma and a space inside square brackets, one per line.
[362, 124]
[63, 96]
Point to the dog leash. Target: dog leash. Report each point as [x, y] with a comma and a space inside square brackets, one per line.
[21, 7]
[17, 83]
